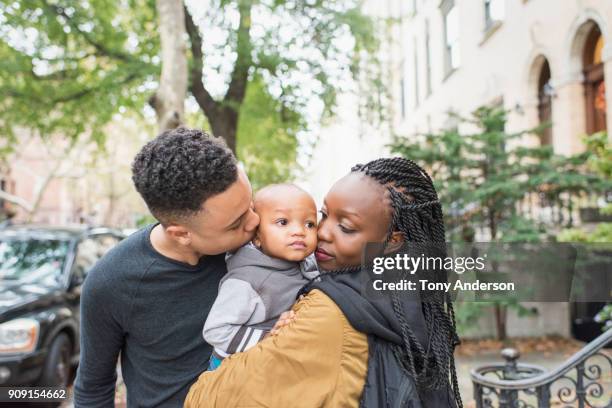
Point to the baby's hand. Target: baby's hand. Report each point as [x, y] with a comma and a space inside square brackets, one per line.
[284, 319]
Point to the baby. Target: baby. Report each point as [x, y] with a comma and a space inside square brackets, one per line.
[264, 276]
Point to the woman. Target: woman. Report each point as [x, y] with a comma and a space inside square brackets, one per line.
[344, 349]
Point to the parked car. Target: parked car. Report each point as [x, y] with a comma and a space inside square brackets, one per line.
[41, 273]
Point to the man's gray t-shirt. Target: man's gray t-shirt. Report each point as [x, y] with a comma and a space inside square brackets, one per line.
[150, 308]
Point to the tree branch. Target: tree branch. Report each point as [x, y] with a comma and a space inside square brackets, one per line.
[101, 48]
[78, 94]
[199, 91]
[56, 76]
[244, 61]
[16, 200]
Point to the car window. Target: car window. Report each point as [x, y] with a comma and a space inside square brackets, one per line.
[30, 260]
[90, 250]
[106, 242]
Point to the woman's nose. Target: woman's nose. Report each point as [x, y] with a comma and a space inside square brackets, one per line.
[323, 233]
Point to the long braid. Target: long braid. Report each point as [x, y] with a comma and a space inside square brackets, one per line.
[417, 214]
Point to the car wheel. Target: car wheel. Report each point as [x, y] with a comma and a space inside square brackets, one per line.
[57, 369]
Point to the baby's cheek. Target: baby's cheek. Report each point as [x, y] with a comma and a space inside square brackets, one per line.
[311, 239]
[313, 235]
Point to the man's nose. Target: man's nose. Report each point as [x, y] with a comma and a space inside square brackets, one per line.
[252, 222]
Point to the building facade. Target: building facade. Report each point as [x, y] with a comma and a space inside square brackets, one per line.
[53, 181]
[545, 61]
[542, 60]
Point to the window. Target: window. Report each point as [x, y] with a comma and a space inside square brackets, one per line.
[89, 251]
[451, 35]
[427, 59]
[31, 260]
[594, 82]
[545, 93]
[494, 12]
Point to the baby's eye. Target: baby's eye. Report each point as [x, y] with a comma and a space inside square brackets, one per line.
[282, 221]
[310, 224]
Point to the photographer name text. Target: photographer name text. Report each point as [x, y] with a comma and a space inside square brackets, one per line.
[425, 285]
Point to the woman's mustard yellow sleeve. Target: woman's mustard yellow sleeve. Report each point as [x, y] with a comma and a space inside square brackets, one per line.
[318, 360]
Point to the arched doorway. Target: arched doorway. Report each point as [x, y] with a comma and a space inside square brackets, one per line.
[584, 325]
[545, 92]
[594, 83]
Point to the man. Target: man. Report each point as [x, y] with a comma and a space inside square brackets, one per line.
[148, 297]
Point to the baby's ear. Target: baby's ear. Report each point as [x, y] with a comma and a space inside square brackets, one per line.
[256, 240]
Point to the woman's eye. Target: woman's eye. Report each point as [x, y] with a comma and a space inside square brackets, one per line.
[282, 222]
[323, 215]
[345, 229]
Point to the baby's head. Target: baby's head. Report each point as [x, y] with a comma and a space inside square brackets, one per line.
[288, 222]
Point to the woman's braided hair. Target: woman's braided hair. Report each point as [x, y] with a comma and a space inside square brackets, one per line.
[417, 214]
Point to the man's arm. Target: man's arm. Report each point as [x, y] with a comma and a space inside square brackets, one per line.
[101, 341]
[237, 303]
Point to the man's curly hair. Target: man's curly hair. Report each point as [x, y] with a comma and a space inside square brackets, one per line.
[180, 169]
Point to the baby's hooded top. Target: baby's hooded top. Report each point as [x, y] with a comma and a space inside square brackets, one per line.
[252, 295]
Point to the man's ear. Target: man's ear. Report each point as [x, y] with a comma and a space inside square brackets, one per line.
[179, 233]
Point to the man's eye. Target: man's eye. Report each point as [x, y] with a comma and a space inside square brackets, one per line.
[345, 229]
[282, 221]
[323, 215]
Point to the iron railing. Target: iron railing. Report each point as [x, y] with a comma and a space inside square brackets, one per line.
[584, 380]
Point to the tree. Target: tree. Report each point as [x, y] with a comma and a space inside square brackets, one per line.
[298, 47]
[268, 137]
[67, 67]
[483, 177]
[75, 64]
[169, 100]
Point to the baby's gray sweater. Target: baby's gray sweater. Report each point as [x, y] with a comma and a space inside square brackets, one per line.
[252, 295]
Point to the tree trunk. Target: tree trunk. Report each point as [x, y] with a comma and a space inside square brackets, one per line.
[500, 321]
[169, 100]
[225, 124]
[223, 115]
